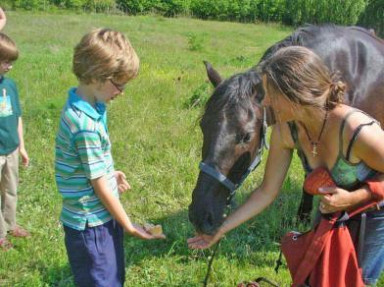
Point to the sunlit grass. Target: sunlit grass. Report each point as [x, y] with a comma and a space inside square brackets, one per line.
[156, 142]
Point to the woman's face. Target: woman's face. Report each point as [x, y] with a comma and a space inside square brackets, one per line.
[282, 107]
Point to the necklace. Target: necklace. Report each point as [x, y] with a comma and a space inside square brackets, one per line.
[314, 144]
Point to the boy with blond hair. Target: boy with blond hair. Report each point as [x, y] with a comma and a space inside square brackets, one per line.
[11, 144]
[94, 219]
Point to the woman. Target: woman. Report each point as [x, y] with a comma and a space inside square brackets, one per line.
[311, 118]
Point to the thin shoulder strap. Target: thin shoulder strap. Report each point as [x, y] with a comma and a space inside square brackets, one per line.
[353, 139]
[342, 129]
[355, 133]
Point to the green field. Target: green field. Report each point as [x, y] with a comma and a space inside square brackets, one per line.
[156, 141]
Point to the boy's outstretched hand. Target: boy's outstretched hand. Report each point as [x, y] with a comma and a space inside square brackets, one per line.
[122, 183]
[140, 232]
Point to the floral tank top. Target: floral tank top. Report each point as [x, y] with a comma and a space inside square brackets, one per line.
[345, 174]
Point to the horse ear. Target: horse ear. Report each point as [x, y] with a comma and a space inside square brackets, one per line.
[257, 86]
[213, 75]
[372, 31]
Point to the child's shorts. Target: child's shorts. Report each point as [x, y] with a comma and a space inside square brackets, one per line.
[96, 255]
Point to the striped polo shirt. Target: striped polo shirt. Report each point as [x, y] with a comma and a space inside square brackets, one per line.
[83, 152]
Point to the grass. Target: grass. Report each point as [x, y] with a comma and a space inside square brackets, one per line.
[156, 142]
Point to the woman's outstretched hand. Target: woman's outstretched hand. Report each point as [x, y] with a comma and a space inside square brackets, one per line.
[203, 241]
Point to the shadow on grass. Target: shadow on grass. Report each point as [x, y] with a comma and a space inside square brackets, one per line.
[248, 242]
[253, 243]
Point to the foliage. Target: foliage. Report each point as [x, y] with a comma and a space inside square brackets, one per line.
[31, 4]
[195, 42]
[136, 6]
[373, 17]
[45, 5]
[156, 141]
[199, 97]
[298, 12]
[172, 8]
[99, 5]
[343, 12]
[291, 12]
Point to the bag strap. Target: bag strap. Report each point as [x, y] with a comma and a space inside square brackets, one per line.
[361, 209]
[315, 249]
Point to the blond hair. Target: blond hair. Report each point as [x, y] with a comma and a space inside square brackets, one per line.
[105, 54]
[8, 49]
[301, 76]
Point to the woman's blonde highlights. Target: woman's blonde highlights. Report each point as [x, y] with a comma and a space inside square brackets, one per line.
[302, 77]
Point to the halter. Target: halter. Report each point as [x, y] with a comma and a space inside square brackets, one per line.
[231, 186]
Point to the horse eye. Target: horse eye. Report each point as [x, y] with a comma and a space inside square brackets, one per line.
[244, 138]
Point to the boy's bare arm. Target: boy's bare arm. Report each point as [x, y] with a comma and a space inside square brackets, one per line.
[114, 206]
[3, 19]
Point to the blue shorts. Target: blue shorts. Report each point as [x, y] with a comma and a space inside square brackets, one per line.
[96, 255]
[372, 261]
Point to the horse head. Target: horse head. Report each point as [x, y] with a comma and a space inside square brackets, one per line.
[233, 136]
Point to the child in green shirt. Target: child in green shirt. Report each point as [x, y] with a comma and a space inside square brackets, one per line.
[11, 144]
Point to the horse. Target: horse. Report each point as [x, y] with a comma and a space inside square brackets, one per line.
[234, 122]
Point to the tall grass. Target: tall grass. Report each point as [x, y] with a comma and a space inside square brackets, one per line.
[156, 142]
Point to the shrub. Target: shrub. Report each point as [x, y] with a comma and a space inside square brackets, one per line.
[172, 8]
[204, 9]
[342, 12]
[199, 97]
[31, 4]
[134, 7]
[99, 5]
[373, 17]
[195, 42]
[290, 12]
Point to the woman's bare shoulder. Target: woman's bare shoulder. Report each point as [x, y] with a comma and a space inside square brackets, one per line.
[354, 119]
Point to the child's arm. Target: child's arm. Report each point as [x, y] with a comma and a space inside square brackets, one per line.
[114, 206]
[3, 19]
[22, 150]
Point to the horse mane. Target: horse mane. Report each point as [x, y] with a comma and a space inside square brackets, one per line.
[295, 39]
[234, 93]
[298, 36]
[368, 32]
